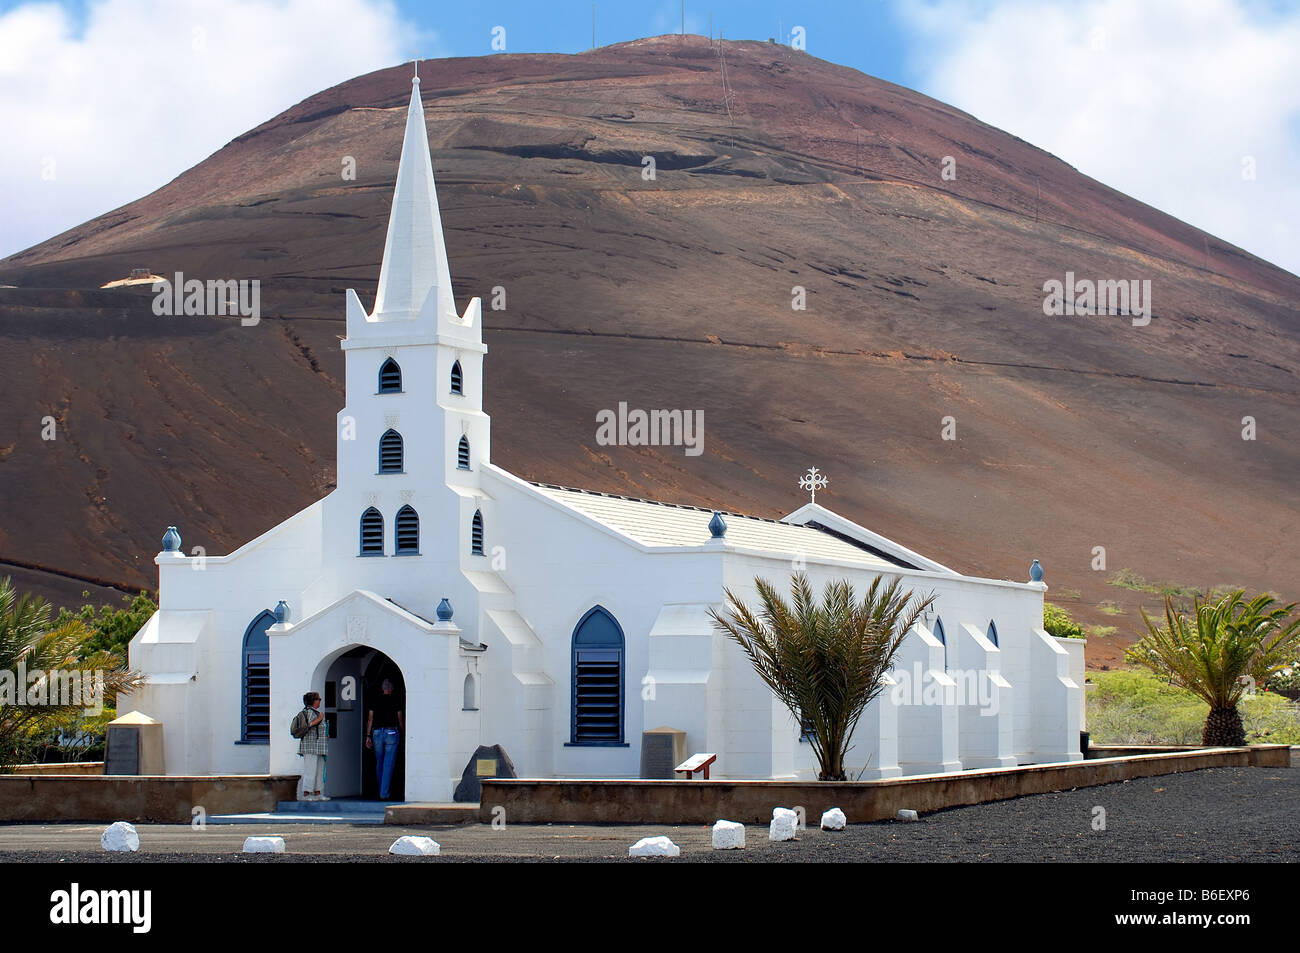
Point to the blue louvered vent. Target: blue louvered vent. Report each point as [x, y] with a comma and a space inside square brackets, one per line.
[407, 531]
[390, 452]
[372, 533]
[476, 534]
[597, 680]
[256, 689]
[390, 377]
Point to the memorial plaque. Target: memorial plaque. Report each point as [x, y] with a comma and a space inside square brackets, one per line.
[657, 756]
[122, 750]
[662, 749]
[488, 761]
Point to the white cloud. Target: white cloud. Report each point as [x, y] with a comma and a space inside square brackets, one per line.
[100, 112]
[1163, 99]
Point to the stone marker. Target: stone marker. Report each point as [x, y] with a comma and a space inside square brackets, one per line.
[654, 847]
[662, 749]
[415, 847]
[120, 836]
[906, 815]
[785, 823]
[485, 762]
[834, 820]
[264, 845]
[728, 835]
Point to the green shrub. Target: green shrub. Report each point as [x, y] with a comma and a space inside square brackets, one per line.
[1136, 708]
[113, 627]
[1130, 707]
[1057, 622]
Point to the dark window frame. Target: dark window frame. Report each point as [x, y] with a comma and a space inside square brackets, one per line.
[387, 441]
[398, 548]
[476, 534]
[256, 661]
[593, 661]
[388, 386]
[376, 523]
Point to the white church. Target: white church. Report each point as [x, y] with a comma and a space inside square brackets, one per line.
[558, 623]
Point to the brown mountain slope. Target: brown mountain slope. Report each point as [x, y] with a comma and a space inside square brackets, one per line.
[773, 169]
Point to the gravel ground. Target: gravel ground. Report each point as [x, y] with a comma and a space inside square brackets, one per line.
[1213, 815]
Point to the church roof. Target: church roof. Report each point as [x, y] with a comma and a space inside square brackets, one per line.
[672, 524]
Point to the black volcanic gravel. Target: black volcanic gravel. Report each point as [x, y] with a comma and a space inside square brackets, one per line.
[1212, 815]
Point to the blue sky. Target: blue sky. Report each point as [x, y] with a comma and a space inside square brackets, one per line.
[1167, 100]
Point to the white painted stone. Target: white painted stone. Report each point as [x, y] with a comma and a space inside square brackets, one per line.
[906, 815]
[728, 835]
[834, 820]
[264, 845]
[415, 847]
[785, 824]
[120, 836]
[654, 847]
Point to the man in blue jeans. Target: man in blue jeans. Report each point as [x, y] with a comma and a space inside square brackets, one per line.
[383, 730]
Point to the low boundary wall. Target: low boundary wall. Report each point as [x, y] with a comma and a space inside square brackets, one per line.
[751, 802]
[166, 800]
[72, 767]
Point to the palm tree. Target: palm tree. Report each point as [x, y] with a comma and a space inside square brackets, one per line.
[1221, 650]
[29, 639]
[824, 662]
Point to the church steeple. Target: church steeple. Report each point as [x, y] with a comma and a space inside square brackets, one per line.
[414, 276]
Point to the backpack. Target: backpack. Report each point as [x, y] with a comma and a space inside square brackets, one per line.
[300, 725]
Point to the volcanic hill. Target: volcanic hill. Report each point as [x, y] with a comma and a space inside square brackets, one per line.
[773, 169]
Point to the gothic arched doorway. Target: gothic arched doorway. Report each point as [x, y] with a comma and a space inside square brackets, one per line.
[353, 690]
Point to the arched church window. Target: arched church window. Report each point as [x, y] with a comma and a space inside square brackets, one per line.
[457, 379]
[372, 533]
[993, 632]
[407, 532]
[597, 707]
[942, 637]
[256, 716]
[462, 453]
[390, 377]
[471, 694]
[390, 452]
[476, 534]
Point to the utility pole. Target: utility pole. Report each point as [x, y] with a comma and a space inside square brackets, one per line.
[593, 26]
[683, 17]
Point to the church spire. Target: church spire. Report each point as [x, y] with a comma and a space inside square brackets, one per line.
[415, 259]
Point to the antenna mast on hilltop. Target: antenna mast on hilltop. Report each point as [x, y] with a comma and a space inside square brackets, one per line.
[593, 26]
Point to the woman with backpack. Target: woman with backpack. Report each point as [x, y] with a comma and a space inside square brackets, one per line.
[313, 737]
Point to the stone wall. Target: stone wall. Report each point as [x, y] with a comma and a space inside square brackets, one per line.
[751, 802]
[169, 800]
